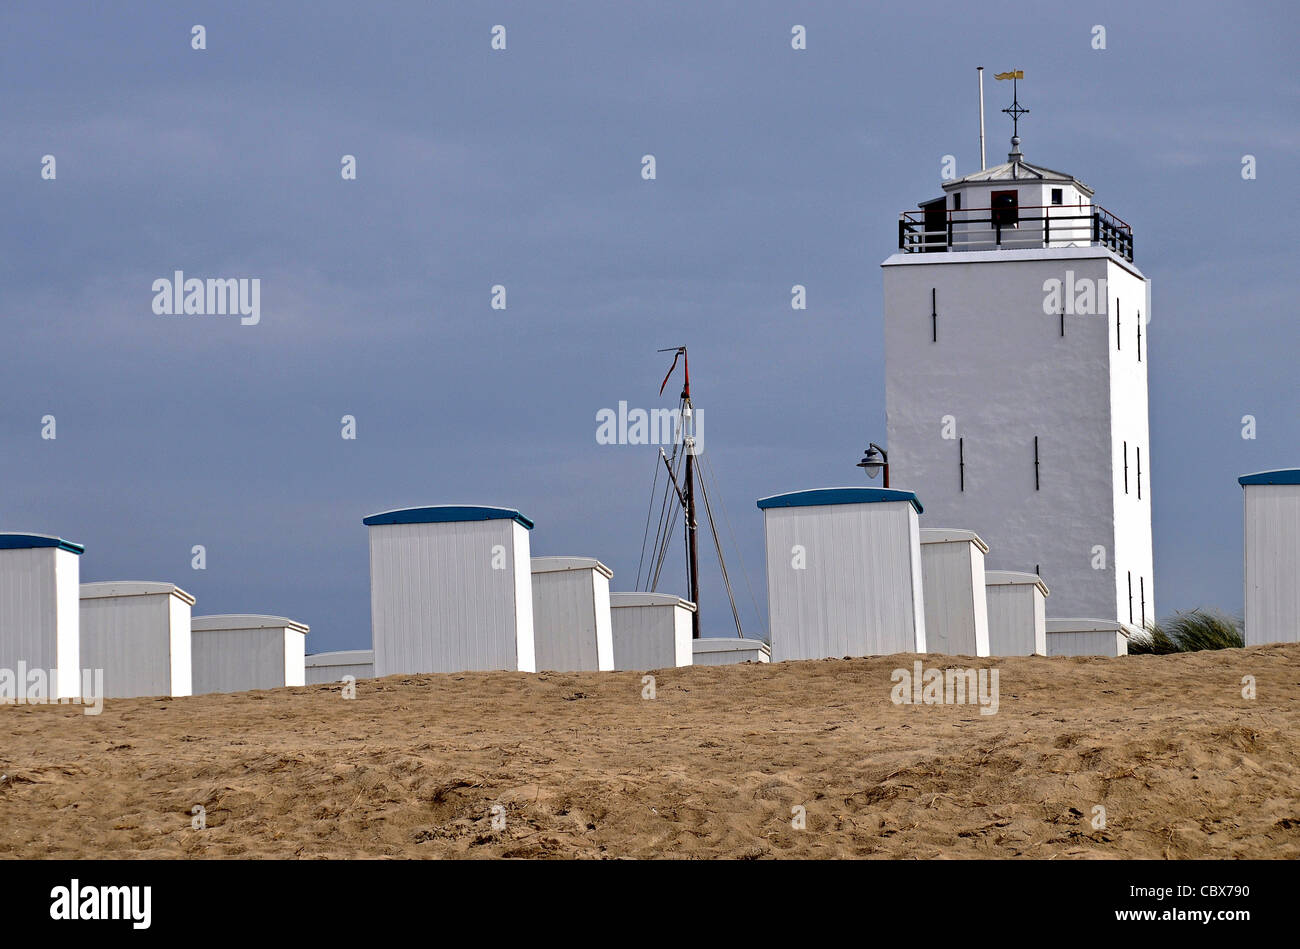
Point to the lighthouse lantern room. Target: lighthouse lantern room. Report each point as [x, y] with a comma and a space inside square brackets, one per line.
[1016, 381]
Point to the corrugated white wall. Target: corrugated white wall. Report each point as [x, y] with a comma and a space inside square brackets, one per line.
[1272, 550]
[1096, 642]
[725, 652]
[861, 590]
[40, 617]
[650, 637]
[956, 606]
[28, 609]
[570, 618]
[330, 667]
[132, 639]
[238, 660]
[437, 604]
[1017, 620]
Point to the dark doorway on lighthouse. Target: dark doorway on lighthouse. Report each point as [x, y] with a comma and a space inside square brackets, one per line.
[1006, 208]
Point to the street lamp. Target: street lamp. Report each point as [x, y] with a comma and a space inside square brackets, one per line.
[875, 459]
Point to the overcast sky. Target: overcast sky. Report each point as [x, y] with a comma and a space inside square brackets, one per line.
[522, 168]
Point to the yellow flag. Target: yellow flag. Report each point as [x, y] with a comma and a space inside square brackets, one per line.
[1014, 74]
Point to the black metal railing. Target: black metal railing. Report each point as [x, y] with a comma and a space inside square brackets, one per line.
[944, 229]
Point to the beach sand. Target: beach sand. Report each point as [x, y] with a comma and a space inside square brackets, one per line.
[580, 765]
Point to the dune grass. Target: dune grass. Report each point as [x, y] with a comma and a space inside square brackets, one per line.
[1188, 631]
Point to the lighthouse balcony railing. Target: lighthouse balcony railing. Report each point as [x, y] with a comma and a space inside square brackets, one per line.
[928, 230]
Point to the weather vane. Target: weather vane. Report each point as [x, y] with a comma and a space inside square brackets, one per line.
[1015, 111]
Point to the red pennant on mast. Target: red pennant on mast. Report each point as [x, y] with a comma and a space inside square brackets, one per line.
[679, 353]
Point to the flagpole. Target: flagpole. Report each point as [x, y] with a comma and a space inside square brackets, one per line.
[980, 70]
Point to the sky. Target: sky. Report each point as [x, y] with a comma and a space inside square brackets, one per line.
[522, 168]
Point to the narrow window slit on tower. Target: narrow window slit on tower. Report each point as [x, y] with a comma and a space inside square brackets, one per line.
[1142, 596]
[934, 315]
[961, 463]
[1139, 336]
[1139, 455]
[1118, 341]
[1126, 467]
[1130, 597]
[1036, 482]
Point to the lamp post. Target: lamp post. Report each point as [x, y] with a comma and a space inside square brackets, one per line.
[874, 460]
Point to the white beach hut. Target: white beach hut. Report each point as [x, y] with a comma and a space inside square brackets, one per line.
[40, 617]
[650, 630]
[323, 667]
[571, 623]
[139, 634]
[1087, 637]
[451, 590]
[844, 573]
[725, 651]
[1017, 613]
[241, 652]
[1272, 555]
[956, 607]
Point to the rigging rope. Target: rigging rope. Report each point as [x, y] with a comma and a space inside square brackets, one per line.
[663, 549]
[668, 514]
[744, 571]
[646, 535]
[717, 544]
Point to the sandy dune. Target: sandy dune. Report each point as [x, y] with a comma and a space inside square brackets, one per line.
[582, 766]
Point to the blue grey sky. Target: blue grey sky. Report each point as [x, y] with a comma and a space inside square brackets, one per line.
[522, 167]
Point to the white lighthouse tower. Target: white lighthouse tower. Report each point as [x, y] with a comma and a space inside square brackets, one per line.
[1016, 381]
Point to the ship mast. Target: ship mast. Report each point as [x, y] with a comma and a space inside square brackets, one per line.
[686, 454]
